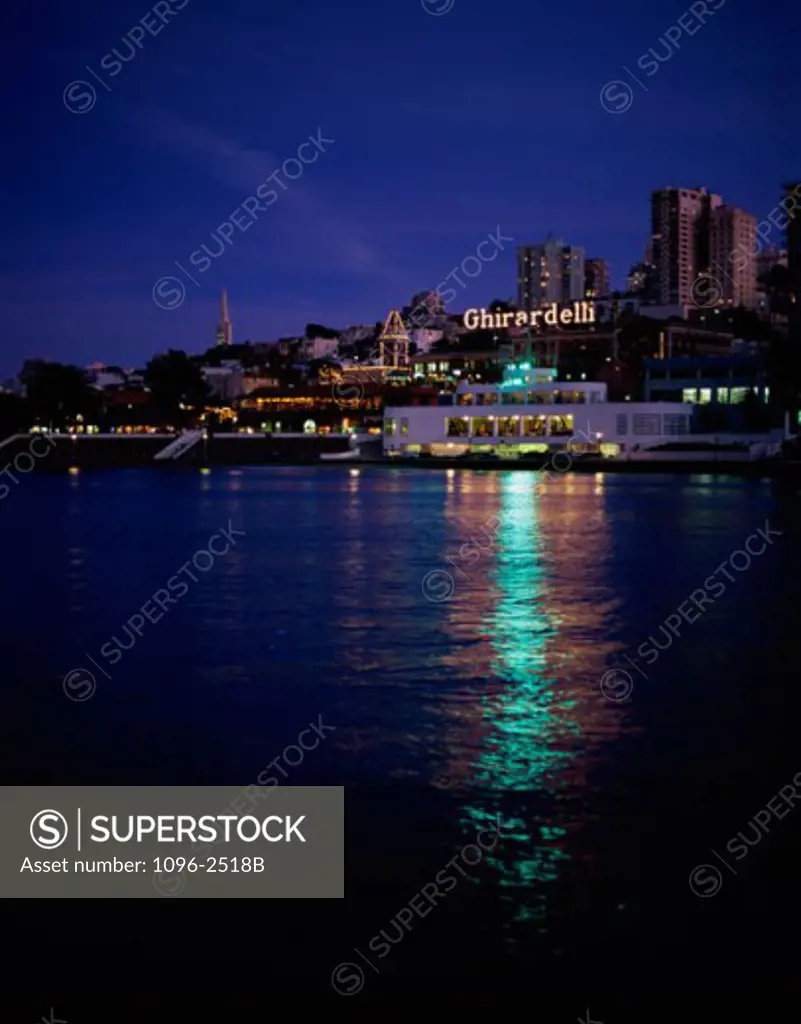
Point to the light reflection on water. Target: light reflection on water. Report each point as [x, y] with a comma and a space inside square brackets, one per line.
[535, 597]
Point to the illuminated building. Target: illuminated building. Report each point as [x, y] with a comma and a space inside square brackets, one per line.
[549, 272]
[531, 411]
[680, 240]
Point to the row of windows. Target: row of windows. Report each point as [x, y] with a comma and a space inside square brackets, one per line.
[539, 397]
[509, 426]
[643, 424]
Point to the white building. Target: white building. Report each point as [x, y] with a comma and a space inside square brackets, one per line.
[424, 338]
[530, 412]
[225, 381]
[319, 348]
[101, 376]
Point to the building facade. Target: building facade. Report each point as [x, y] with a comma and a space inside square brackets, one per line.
[680, 241]
[732, 236]
[550, 272]
[596, 278]
[531, 411]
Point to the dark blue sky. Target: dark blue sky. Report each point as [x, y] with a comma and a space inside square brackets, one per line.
[445, 128]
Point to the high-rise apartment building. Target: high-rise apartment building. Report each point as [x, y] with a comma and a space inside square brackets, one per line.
[550, 272]
[596, 278]
[680, 240]
[733, 268]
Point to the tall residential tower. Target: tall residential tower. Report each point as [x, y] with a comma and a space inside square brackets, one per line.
[549, 272]
[680, 219]
[732, 243]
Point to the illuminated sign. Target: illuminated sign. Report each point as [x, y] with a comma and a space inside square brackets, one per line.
[552, 314]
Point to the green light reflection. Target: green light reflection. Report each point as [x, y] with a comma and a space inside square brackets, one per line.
[534, 726]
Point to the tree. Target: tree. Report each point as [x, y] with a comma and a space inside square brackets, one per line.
[319, 331]
[776, 285]
[57, 393]
[14, 414]
[174, 379]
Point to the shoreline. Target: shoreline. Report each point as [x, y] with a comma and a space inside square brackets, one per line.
[231, 452]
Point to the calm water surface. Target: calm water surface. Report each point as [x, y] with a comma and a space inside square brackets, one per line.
[447, 713]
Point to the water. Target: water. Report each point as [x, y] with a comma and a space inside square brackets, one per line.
[446, 715]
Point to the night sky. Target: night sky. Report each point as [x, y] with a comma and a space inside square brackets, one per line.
[445, 128]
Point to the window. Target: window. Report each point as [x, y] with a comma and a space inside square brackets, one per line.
[507, 426]
[689, 395]
[389, 426]
[405, 427]
[481, 426]
[647, 423]
[512, 397]
[535, 426]
[466, 399]
[560, 426]
[675, 423]
[456, 426]
[622, 424]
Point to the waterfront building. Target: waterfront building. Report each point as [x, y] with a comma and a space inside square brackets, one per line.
[531, 411]
[680, 241]
[710, 380]
[549, 272]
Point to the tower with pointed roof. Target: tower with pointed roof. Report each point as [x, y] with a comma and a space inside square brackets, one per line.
[224, 329]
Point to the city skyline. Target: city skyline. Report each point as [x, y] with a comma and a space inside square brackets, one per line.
[186, 134]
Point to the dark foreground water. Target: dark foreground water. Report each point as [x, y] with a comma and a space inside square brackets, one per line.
[448, 713]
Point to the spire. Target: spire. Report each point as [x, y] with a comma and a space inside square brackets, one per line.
[224, 330]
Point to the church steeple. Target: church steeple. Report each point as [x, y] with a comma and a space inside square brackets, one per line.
[224, 328]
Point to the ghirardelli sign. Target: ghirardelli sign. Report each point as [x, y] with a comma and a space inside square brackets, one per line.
[550, 314]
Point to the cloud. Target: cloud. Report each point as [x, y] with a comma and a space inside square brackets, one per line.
[314, 226]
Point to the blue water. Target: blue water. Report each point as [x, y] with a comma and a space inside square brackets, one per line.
[445, 714]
